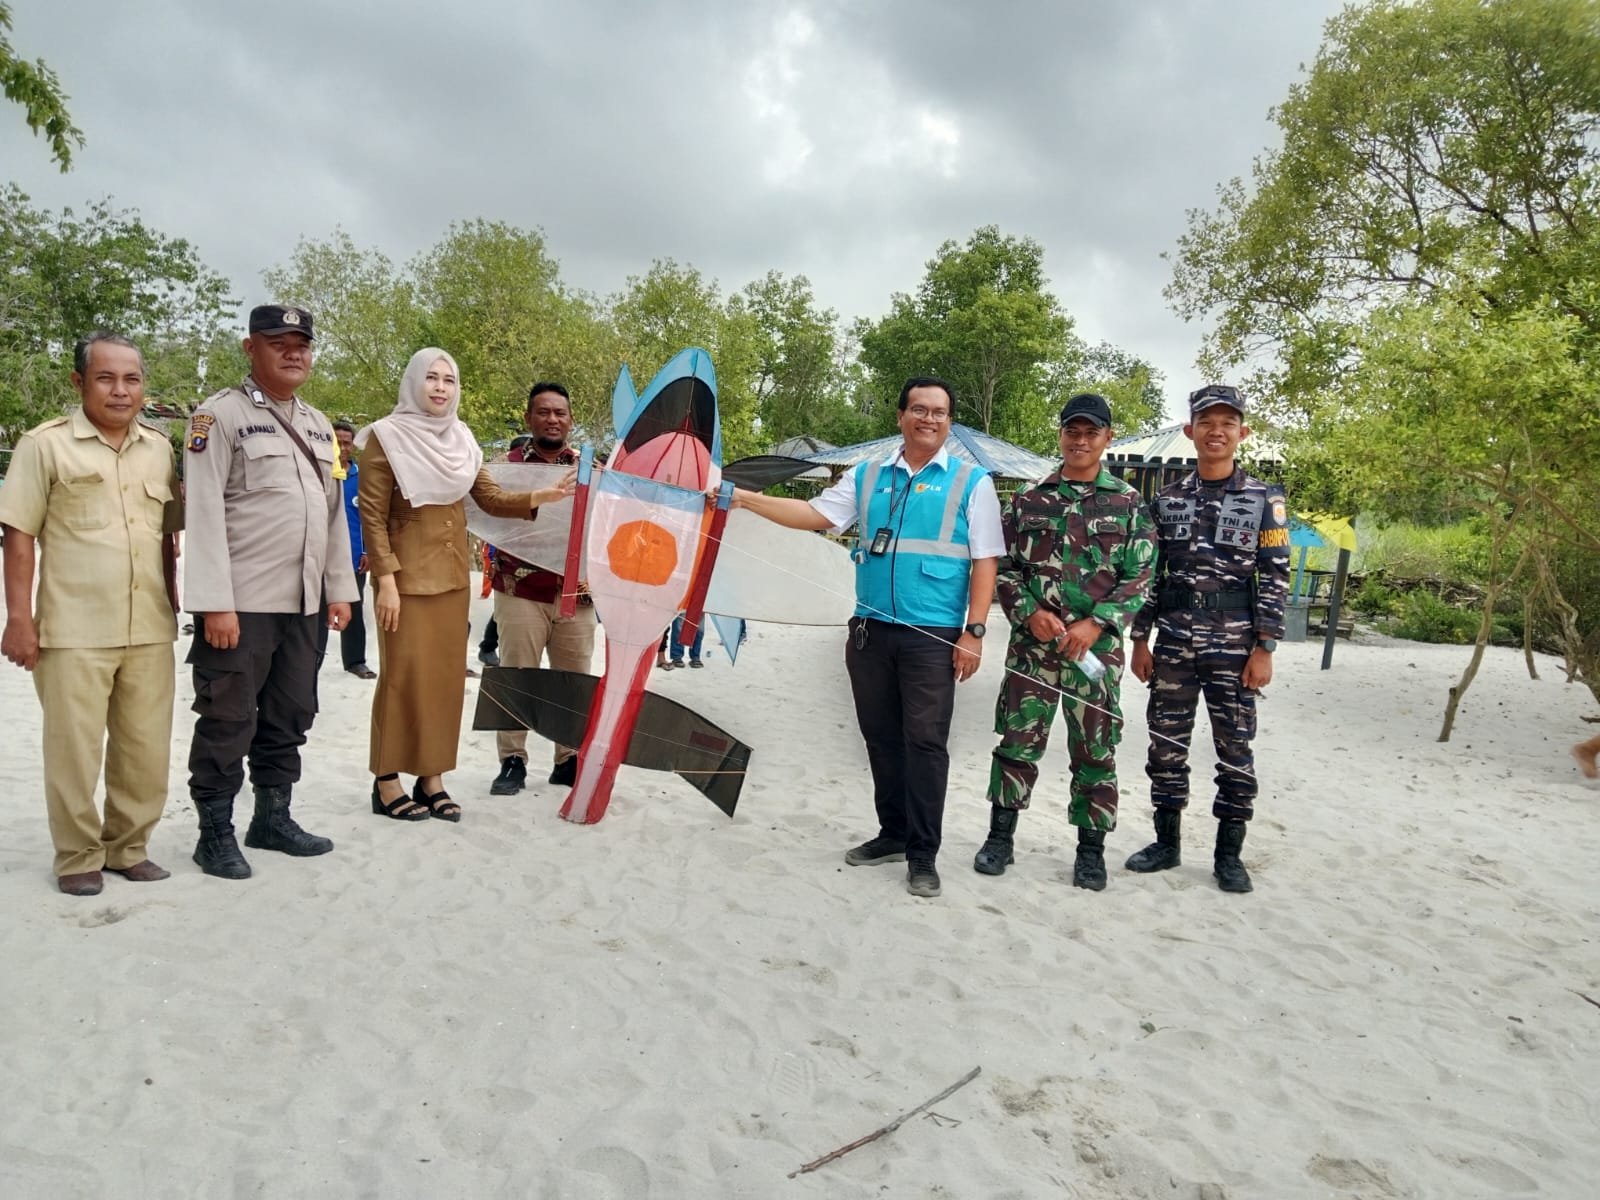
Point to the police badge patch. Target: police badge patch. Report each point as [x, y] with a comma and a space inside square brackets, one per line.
[200, 430]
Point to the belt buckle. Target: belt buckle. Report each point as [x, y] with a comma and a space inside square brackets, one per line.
[1197, 601]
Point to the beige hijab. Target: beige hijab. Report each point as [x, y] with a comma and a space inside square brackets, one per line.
[436, 459]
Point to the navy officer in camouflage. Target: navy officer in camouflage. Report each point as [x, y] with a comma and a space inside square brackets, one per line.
[1080, 553]
[1217, 606]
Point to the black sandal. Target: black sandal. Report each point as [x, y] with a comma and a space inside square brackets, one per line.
[401, 808]
[438, 805]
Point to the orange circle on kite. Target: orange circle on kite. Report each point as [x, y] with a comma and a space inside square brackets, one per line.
[642, 552]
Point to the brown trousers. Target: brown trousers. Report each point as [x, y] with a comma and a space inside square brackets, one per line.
[112, 704]
[530, 629]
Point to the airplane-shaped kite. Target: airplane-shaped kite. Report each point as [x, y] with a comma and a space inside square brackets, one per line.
[640, 535]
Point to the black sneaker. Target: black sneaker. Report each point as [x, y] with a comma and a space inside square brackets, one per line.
[878, 850]
[513, 774]
[921, 878]
[566, 772]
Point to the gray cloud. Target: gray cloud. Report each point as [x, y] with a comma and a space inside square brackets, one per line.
[840, 140]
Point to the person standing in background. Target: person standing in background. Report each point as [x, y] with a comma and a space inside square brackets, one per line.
[353, 637]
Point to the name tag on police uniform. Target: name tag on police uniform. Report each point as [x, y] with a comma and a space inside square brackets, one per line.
[1239, 521]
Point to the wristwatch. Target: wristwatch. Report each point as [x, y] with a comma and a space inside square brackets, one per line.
[977, 629]
[1267, 644]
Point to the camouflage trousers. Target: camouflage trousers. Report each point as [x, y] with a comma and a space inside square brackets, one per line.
[1037, 681]
[1184, 670]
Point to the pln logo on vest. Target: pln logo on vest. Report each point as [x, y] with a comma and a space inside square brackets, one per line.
[927, 487]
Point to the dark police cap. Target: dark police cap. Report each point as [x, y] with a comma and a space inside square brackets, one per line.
[1214, 394]
[280, 318]
[1088, 406]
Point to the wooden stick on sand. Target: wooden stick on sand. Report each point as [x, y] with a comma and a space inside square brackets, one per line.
[890, 1127]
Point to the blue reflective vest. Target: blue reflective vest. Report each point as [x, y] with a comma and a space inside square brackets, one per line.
[922, 577]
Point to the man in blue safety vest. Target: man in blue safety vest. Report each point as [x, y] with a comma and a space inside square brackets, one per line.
[929, 540]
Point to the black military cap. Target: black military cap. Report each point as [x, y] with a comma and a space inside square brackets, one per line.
[1214, 394]
[280, 318]
[1088, 406]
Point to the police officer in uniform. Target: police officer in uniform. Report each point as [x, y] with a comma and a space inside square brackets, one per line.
[1079, 556]
[267, 540]
[1217, 604]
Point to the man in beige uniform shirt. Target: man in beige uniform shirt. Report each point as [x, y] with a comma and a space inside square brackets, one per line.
[94, 491]
[267, 540]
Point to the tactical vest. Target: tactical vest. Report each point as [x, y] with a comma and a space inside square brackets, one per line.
[922, 578]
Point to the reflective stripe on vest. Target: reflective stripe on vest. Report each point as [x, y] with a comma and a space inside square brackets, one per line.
[945, 547]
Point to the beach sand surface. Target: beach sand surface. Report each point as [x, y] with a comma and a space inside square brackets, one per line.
[675, 1004]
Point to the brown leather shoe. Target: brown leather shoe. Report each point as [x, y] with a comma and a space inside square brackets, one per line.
[142, 872]
[84, 883]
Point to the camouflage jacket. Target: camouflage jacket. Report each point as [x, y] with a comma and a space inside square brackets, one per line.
[1232, 537]
[1078, 550]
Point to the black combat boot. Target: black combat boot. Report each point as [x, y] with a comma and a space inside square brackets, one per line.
[995, 855]
[217, 852]
[1089, 867]
[1163, 852]
[272, 828]
[1229, 870]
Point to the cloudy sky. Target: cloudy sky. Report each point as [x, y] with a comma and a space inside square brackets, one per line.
[836, 139]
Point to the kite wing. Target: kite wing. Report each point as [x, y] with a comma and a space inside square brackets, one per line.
[764, 572]
[667, 737]
[542, 541]
[787, 576]
[762, 471]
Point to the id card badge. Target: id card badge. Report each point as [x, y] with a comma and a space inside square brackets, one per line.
[881, 541]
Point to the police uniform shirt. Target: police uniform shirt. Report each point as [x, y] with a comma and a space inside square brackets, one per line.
[266, 531]
[99, 514]
[985, 537]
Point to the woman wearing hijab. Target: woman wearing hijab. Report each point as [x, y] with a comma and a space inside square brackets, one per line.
[417, 466]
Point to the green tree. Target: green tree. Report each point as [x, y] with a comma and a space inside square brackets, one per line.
[44, 105]
[491, 295]
[801, 370]
[1411, 277]
[1130, 383]
[366, 322]
[982, 320]
[1509, 457]
[1431, 144]
[62, 275]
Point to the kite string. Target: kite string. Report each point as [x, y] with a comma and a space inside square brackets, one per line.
[1064, 697]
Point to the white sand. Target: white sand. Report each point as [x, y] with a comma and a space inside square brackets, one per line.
[672, 1004]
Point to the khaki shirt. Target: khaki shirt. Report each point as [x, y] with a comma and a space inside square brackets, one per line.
[266, 532]
[99, 515]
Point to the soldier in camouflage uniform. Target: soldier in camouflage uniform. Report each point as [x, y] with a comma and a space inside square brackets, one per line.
[1080, 553]
[1218, 605]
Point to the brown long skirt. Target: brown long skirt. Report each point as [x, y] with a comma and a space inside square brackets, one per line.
[422, 681]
